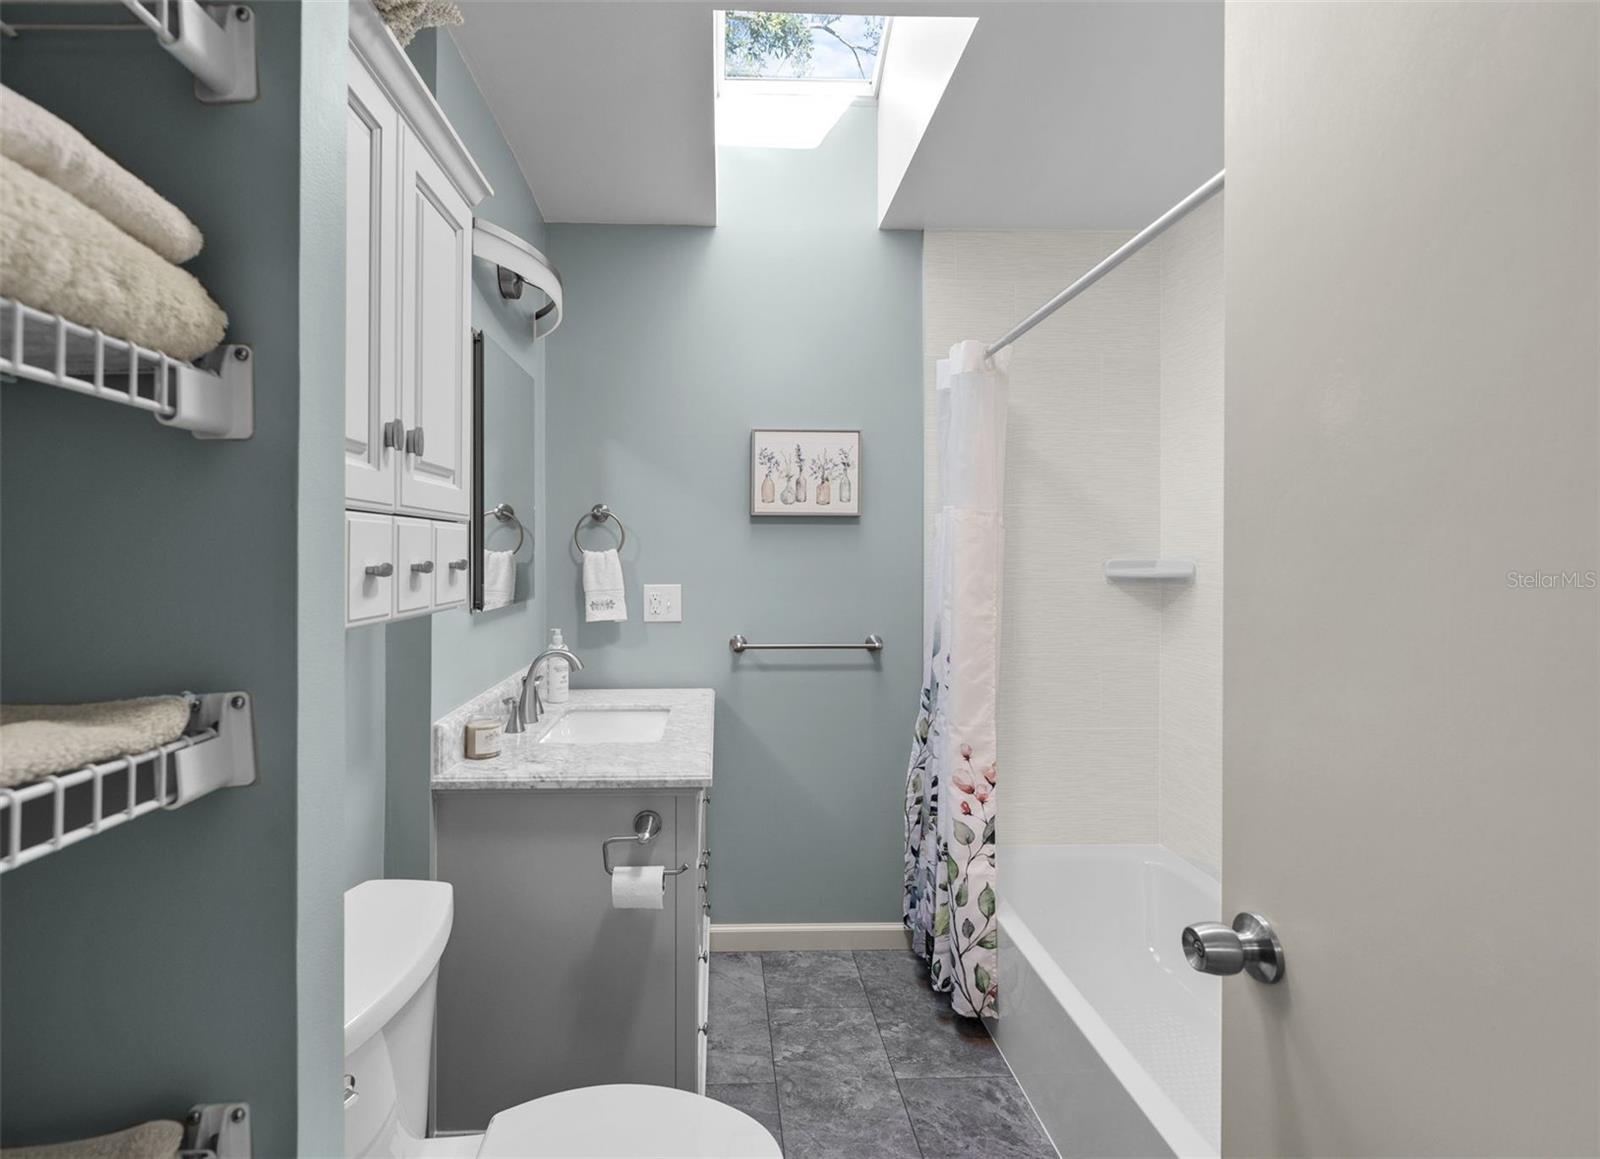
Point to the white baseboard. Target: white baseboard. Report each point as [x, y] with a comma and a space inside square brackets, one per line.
[820, 936]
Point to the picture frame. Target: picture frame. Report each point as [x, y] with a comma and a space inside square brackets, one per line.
[805, 472]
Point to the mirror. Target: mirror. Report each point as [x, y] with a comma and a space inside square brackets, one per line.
[503, 483]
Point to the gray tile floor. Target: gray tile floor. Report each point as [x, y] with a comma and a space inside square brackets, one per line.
[853, 1056]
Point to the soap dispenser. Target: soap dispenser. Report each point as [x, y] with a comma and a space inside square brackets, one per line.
[556, 672]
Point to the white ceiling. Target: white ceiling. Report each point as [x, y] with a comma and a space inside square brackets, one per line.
[607, 106]
[1071, 116]
[1060, 115]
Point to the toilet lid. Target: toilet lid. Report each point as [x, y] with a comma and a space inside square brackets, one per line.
[626, 1122]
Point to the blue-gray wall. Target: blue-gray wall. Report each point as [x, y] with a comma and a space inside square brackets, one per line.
[400, 676]
[794, 311]
[192, 955]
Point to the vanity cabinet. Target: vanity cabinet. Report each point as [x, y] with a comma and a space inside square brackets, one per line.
[410, 189]
[544, 986]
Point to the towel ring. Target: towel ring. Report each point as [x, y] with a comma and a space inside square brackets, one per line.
[505, 513]
[600, 513]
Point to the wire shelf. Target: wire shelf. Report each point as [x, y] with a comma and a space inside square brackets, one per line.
[58, 811]
[215, 42]
[216, 401]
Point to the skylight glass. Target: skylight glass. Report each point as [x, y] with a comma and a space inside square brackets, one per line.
[819, 46]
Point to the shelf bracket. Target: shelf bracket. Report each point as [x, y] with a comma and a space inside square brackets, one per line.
[216, 1131]
[224, 408]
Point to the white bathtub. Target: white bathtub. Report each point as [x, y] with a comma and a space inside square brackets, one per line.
[1115, 1039]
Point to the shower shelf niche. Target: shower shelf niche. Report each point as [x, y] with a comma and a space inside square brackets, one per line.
[213, 401]
[1150, 569]
[217, 752]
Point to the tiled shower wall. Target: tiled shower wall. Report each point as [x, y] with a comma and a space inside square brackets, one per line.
[1110, 695]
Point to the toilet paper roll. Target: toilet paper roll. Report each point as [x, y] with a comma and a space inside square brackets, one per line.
[638, 887]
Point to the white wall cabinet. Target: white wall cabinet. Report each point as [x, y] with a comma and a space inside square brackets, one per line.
[411, 186]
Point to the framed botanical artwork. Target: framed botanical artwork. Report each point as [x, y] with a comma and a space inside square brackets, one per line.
[805, 472]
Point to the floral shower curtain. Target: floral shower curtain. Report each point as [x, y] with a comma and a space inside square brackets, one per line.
[950, 787]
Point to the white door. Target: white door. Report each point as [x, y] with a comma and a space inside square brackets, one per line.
[371, 290]
[1410, 746]
[435, 340]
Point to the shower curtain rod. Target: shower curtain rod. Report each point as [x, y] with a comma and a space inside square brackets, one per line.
[1121, 254]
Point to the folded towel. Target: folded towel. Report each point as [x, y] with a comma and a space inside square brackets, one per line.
[41, 141]
[602, 586]
[499, 579]
[58, 255]
[38, 739]
[155, 1140]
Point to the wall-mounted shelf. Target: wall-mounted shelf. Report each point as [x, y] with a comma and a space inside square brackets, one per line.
[517, 265]
[215, 42]
[1150, 569]
[217, 752]
[214, 401]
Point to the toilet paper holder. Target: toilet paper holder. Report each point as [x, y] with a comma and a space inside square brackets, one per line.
[646, 826]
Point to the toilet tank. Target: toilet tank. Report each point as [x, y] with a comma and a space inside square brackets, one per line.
[394, 933]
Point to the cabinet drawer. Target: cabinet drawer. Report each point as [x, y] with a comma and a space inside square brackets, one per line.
[414, 567]
[450, 576]
[368, 544]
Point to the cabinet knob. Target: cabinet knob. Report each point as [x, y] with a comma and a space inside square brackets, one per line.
[414, 441]
[423, 568]
[458, 565]
[393, 433]
[381, 570]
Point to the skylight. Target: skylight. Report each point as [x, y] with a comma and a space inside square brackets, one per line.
[802, 46]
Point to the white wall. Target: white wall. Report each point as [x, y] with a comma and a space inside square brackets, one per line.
[1091, 473]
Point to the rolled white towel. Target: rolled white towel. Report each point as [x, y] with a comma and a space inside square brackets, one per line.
[58, 255]
[45, 144]
[39, 739]
[499, 579]
[158, 1139]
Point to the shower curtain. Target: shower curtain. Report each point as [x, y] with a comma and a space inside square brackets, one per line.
[950, 786]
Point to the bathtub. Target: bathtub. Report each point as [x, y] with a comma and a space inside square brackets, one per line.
[1116, 1041]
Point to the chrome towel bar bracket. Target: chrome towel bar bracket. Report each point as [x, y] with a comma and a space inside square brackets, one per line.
[873, 643]
[646, 825]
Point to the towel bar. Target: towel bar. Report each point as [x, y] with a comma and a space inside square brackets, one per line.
[873, 643]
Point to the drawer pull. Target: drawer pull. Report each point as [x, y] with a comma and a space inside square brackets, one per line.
[423, 568]
[458, 565]
[380, 570]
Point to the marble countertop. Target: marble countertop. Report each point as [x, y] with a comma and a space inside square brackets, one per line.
[681, 759]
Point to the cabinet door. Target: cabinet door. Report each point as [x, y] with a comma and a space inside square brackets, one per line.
[435, 348]
[371, 288]
[368, 543]
[544, 986]
[414, 567]
[450, 580]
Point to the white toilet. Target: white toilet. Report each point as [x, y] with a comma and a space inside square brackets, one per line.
[394, 933]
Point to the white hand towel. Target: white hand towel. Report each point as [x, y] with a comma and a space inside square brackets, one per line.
[602, 587]
[499, 578]
[43, 142]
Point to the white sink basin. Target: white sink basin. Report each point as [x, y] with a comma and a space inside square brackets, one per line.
[609, 726]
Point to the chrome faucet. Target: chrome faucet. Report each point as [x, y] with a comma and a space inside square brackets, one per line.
[530, 684]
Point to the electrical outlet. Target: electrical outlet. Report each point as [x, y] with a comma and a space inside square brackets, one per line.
[663, 603]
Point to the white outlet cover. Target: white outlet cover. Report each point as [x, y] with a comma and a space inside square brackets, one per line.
[663, 603]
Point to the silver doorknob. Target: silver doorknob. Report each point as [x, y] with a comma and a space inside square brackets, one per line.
[394, 432]
[414, 443]
[1250, 945]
